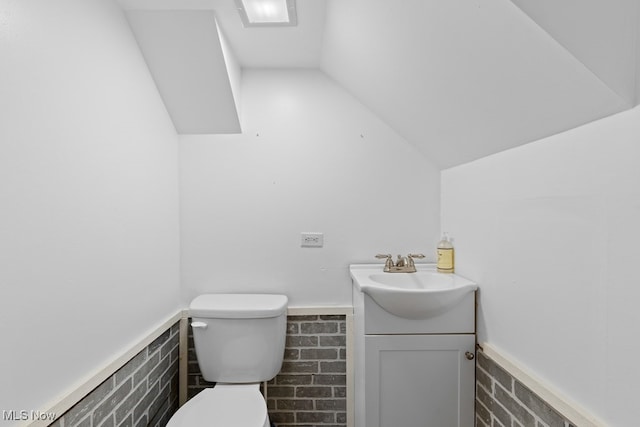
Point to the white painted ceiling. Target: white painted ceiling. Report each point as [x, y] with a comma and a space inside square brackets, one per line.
[185, 54]
[459, 79]
[599, 33]
[265, 47]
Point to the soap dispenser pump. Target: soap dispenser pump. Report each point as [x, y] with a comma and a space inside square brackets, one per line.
[445, 255]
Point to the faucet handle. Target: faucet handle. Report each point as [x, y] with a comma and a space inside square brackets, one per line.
[388, 264]
[410, 257]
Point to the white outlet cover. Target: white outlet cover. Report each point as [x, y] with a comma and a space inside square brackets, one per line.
[311, 240]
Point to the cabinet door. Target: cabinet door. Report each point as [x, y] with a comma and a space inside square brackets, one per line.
[419, 380]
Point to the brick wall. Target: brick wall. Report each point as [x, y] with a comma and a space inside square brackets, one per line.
[144, 392]
[311, 387]
[503, 401]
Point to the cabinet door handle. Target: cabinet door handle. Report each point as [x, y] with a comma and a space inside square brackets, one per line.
[469, 355]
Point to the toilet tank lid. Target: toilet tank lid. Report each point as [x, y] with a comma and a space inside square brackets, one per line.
[238, 306]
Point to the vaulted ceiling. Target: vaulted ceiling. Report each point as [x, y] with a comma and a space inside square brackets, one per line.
[459, 79]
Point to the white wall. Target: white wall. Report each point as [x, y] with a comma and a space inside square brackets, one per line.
[550, 231]
[311, 158]
[89, 258]
[637, 100]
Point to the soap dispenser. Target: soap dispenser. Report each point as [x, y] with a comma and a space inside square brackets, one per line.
[445, 255]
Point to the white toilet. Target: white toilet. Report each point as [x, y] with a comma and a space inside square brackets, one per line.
[239, 340]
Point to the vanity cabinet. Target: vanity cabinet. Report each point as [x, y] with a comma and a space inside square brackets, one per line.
[419, 380]
[414, 372]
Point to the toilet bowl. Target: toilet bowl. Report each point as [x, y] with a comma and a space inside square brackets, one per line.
[239, 341]
[225, 405]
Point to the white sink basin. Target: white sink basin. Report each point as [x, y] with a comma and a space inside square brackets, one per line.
[418, 295]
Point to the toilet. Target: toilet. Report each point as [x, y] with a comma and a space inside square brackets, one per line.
[239, 341]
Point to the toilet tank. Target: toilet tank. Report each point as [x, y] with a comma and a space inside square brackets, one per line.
[239, 338]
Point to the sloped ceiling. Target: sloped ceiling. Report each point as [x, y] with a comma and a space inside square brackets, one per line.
[184, 52]
[195, 50]
[599, 33]
[284, 47]
[459, 79]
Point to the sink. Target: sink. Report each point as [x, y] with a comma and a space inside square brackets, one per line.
[425, 293]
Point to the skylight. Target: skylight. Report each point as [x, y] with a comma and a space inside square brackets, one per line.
[267, 13]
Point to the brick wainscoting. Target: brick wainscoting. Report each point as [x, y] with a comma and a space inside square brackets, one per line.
[503, 401]
[144, 392]
[311, 387]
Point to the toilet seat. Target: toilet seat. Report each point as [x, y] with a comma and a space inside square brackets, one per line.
[238, 405]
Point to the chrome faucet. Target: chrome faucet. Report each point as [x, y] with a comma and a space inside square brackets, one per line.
[402, 264]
